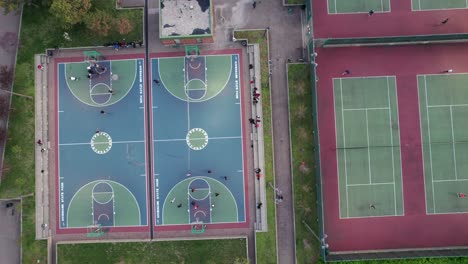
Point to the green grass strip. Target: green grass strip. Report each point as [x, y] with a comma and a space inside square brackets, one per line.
[303, 153]
[189, 251]
[266, 241]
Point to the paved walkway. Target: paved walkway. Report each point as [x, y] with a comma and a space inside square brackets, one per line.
[9, 32]
[285, 42]
[9, 221]
[10, 232]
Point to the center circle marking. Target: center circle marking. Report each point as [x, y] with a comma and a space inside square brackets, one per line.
[197, 138]
[101, 143]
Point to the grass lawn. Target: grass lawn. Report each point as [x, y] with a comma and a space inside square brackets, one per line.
[411, 261]
[303, 151]
[194, 251]
[295, 2]
[266, 241]
[40, 31]
[33, 250]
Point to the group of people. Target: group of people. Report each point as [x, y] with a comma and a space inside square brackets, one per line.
[255, 122]
[123, 44]
[255, 95]
[94, 69]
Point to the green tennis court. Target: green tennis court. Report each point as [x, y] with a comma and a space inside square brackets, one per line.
[443, 101]
[422, 5]
[368, 147]
[358, 6]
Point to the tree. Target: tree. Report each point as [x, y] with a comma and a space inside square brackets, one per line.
[70, 12]
[13, 5]
[99, 22]
[124, 26]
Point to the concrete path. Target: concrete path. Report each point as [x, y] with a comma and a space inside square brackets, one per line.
[9, 32]
[285, 42]
[9, 221]
[10, 232]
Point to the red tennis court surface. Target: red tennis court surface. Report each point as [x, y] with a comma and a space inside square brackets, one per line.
[415, 229]
[400, 21]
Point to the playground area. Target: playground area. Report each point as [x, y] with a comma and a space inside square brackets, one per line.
[392, 146]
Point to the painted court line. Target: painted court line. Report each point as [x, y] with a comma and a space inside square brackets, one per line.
[366, 108]
[455, 180]
[391, 144]
[430, 149]
[344, 145]
[368, 149]
[448, 105]
[370, 184]
[97, 143]
[453, 144]
[184, 139]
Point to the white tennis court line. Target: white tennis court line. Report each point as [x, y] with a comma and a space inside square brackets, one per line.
[430, 147]
[453, 143]
[391, 144]
[371, 184]
[462, 180]
[368, 149]
[366, 108]
[399, 152]
[455, 105]
[344, 145]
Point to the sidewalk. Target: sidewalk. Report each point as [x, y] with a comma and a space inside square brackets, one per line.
[10, 233]
[9, 32]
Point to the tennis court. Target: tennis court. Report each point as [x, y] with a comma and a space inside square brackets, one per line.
[423, 5]
[368, 147]
[443, 101]
[198, 142]
[101, 143]
[358, 6]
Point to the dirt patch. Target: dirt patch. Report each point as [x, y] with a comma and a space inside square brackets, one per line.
[9, 41]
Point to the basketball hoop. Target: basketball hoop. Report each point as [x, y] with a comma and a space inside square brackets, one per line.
[198, 228]
[95, 231]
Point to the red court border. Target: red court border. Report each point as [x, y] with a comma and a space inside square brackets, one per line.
[59, 230]
[415, 229]
[400, 21]
[244, 137]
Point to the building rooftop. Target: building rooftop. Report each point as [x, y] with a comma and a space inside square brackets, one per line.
[185, 18]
